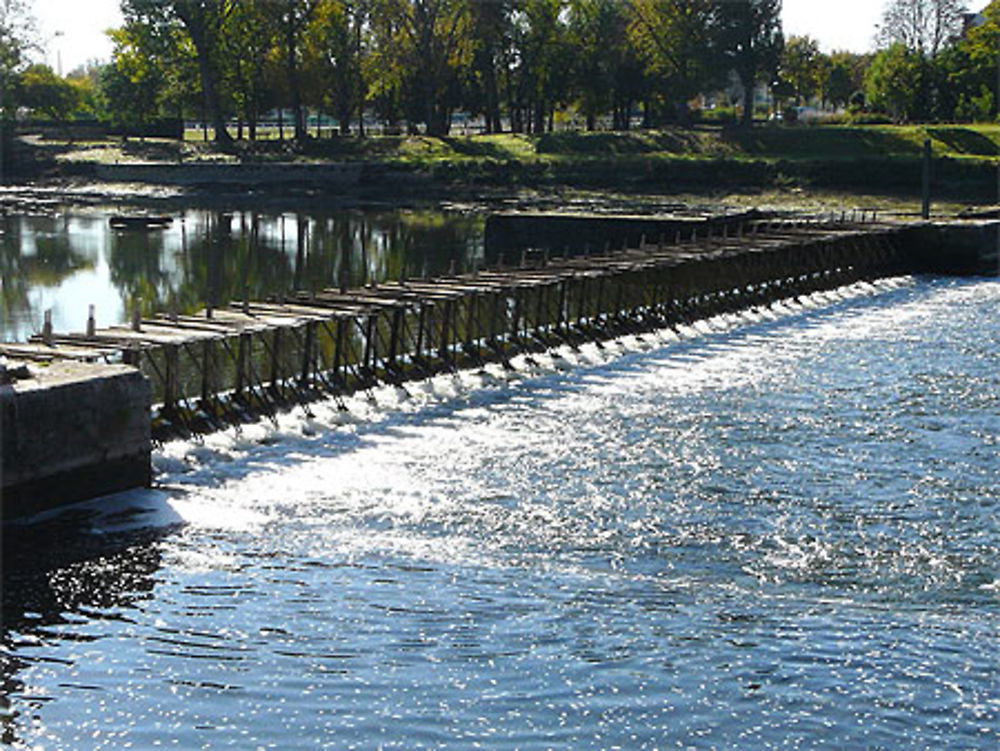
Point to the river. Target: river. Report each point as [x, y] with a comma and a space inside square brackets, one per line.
[63, 259]
[778, 529]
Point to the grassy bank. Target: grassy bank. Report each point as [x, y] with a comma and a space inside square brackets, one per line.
[866, 159]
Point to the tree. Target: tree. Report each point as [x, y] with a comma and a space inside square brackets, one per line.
[844, 77]
[85, 80]
[16, 34]
[802, 66]
[204, 21]
[541, 39]
[420, 47]
[750, 41]
[596, 33]
[923, 26]
[333, 44]
[492, 38]
[894, 82]
[45, 93]
[16, 31]
[134, 81]
[673, 40]
[968, 71]
[248, 44]
[294, 19]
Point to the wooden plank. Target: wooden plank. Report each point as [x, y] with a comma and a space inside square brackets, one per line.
[59, 352]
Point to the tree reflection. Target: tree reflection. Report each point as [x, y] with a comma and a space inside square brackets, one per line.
[210, 259]
[261, 256]
[35, 252]
[136, 262]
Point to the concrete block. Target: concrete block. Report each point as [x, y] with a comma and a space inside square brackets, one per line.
[964, 248]
[71, 432]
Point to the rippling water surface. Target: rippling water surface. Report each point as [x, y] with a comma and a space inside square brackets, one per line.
[775, 530]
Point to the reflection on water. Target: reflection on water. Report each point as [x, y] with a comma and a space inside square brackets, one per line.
[777, 529]
[69, 261]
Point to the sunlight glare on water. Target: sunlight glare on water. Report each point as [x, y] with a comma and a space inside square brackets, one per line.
[776, 529]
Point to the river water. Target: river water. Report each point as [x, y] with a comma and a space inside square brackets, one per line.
[773, 530]
[64, 260]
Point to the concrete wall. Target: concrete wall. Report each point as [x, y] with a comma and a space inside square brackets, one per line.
[968, 248]
[72, 432]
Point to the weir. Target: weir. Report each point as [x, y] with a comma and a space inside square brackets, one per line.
[227, 366]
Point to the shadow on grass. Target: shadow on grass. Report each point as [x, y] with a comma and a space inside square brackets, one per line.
[822, 143]
[965, 141]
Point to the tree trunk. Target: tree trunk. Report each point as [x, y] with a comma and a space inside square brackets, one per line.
[492, 98]
[291, 60]
[539, 125]
[361, 84]
[200, 37]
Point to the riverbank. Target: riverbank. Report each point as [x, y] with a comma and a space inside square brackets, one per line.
[793, 164]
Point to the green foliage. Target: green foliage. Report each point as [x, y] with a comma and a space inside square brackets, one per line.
[333, 48]
[718, 116]
[803, 67]
[844, 77]
[48, 95]
[894, 82]
[674, 41]
[749, 37]
[135, 80]
[420, 46]
[16, 33]
[525, 65]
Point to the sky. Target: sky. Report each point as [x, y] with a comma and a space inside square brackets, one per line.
[72, 31]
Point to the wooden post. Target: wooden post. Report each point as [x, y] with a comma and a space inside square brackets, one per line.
[539, 302]
[308, 352]
[421, 319]
[925, 210]
[208, 371]
[471, 320]
[581, 299]
[515, 326]
[171, 356]
[276, 360]
[47, 328]
[91, 322]
[394, 336]
[243, 355]
[495, 326]
[368, 355]
[560, 314]
[445, 330]
[338, 353]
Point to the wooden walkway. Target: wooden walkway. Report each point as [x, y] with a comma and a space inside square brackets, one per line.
[230, 365]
